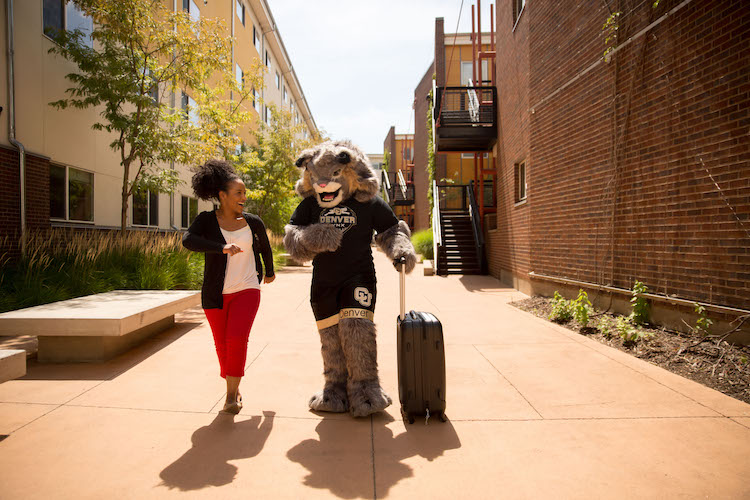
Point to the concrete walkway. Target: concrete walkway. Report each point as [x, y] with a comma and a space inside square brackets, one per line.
[536, 411]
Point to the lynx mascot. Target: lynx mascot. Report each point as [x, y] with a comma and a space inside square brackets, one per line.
[333, 226]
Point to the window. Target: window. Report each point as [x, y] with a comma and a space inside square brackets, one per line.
[256, 39]
[278, 80]
[60, 15]
[241, 12]
[466, 73]
[189, 210]
[284, 95]
[256, 101]
[145, 208]
[191, 8]
[267, 115]
[154, 90]
[71, 194]
[268, 60]
[520, 180]
[517, 9]
[190, 109]
[470, 156]
[240, 76]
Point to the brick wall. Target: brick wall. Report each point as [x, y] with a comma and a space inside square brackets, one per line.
[421, 177]
[619, 186]
[508, 245]
[37, 197]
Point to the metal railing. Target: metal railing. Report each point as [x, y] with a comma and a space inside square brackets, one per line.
[476, 224]
[401, 182]
[437, 236]
[465, 106]
[386, 186]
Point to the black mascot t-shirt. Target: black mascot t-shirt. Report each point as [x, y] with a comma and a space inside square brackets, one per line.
[357, 220]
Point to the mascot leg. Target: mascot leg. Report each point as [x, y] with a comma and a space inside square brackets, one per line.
[360, 350]
[333, 396]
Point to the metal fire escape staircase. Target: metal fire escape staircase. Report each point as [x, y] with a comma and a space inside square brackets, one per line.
[465, 121]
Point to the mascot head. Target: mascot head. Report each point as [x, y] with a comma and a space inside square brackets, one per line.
[335, 171]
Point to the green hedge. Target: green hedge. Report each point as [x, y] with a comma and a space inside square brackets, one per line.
[422, 241]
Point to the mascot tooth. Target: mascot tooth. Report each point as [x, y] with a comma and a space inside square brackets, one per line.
[333, 226]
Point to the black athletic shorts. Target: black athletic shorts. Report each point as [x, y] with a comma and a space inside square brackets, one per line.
[354, 298]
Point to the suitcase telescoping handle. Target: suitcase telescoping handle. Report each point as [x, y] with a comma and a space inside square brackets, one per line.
[402, 286]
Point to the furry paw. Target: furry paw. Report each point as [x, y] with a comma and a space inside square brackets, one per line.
[410, 259]
[332, 398]
[322, 238]
[366, 397]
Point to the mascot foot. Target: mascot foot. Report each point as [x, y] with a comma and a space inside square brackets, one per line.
[332, 398]
[367, 397]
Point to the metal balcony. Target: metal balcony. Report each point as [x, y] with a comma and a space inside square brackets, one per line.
[465, 119]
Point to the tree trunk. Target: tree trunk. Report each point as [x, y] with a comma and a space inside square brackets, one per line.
[124, 200]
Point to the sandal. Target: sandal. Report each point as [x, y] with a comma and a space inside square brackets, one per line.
[234, 407]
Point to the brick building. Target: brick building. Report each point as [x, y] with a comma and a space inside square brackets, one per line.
[635, 169]
[633, 166]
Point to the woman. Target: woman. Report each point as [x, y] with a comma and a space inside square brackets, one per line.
[234, 243]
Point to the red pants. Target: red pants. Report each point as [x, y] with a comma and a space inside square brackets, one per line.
[231, 328]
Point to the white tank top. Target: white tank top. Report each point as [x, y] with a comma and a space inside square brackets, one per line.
[241, 273]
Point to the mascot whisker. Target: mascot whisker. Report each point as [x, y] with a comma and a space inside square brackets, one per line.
[333, 226]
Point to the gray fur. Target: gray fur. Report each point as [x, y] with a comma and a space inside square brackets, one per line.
[321, 164]
[361, 354]
[395, 242]
[333, 397]
[304, 243]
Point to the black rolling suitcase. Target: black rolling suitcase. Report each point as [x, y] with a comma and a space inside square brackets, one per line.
[421, 362]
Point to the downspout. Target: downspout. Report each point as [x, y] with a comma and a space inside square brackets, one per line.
[171, 162]
[12, 121]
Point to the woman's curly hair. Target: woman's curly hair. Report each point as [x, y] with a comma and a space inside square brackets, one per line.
[212, 177]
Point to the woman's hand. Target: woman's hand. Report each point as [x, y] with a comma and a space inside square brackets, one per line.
[268, 279]
[231, 249]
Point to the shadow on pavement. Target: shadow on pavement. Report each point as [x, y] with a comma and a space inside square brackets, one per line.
[427, 441]
[481, 283]
[334, 463]
[116, 366]
[207, 462]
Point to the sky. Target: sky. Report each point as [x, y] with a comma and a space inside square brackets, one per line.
[359, 61]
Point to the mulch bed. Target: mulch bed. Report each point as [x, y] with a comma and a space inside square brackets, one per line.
[719, 365]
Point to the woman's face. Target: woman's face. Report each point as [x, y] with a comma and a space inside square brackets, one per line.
[233, 198]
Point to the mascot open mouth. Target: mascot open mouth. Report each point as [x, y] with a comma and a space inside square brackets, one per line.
[329, 196]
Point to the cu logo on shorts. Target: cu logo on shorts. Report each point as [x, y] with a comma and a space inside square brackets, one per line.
[363, 296]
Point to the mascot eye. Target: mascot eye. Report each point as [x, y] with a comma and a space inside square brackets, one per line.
[337, 172]
[343, 157]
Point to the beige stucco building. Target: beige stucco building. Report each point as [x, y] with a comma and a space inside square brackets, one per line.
[72, 176]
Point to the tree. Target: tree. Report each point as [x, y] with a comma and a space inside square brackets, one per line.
[269, 171]
[142, 54]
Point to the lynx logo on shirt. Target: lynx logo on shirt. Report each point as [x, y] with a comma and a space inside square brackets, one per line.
[342, 217]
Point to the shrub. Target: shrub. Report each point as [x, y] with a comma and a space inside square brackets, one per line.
[422, 241]
[582, 308]
[61, 265]
[562, 310]
[629, 333]
[703, 324]
[640, 304]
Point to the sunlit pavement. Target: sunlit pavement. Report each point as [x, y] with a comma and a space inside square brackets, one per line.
[535, 411]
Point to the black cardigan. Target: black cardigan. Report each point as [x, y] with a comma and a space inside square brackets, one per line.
[204, 235]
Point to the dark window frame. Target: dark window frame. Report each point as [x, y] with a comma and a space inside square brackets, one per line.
[151, 209]
[67, 199]
[520, 175]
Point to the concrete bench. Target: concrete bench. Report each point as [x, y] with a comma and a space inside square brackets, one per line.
[12, 364]
[97, 327]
